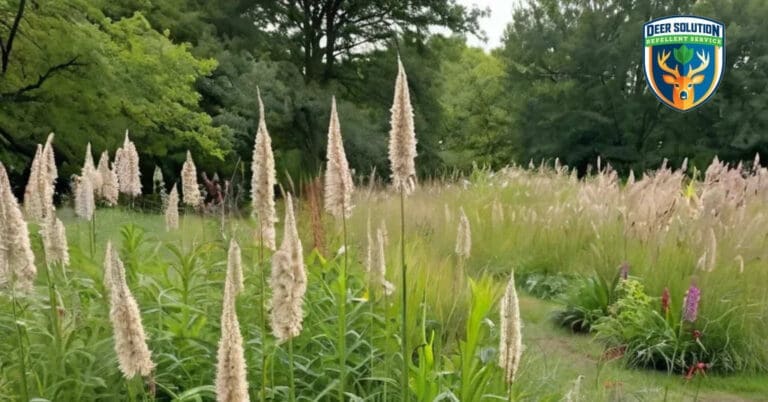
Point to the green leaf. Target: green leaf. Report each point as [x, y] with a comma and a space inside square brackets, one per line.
[683, 54]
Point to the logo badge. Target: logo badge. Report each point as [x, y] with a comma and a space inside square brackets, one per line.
[683, 59]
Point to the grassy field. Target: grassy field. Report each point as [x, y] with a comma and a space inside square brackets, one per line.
[551, 229]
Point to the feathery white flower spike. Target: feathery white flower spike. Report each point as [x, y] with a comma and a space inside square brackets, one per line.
[231, 381]
[17, 261]
[338, 180]
[189, 185]
[133, 354]
[511, 338]
[263, 182]
[402, 137]
[288, 281]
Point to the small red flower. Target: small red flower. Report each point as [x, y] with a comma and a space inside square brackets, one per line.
[699, 367]
[696, 334]
[665, 301]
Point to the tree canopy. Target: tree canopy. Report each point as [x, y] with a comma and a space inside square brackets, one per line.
[183, 74]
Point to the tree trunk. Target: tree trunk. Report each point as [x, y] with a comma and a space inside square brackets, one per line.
[330, 39]
[6, 48]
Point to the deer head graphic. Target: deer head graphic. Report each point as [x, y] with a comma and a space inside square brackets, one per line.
[683, 85]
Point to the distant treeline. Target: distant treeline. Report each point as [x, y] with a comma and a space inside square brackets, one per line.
[567, 82]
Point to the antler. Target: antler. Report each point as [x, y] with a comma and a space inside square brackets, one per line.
[704, 58]
[662, 59]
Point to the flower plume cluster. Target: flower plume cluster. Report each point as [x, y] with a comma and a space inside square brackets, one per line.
[263, 182]
[133, 354]
[402, 137]
[338, 180]
[189, 185]
[231, 381]
[288, 280]
[17, 262]
[127, 168]
[511, 338]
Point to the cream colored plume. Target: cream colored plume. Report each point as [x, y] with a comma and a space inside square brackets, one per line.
[127, 165]
[33, 200]
[172, 210]
[263, 182]
[231, 381]
[110, 188]
[133, 354]
[85, 203]
[38, 195]
[48, 179]
[379, 270]
[370, 246]
[463, 236]
[55, 241]
[510, 342]
[189, 185]
[288, 281]
[89, 169]
[402, 138]
[235, 266]
[17, 261]
[338, 180]
[50, 161]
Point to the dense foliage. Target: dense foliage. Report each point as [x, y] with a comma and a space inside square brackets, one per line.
[567, 82]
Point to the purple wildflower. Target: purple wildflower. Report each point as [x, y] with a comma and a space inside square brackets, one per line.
[691, 305]
[624, 270]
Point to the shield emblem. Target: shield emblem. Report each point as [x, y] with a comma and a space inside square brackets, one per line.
[683, 59]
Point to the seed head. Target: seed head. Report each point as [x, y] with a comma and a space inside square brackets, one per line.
[402, 138]
[172, 210]
[133, 354]
[338, 180]
[17, 261]
[510, 342]
[288, 281]
[263, 181]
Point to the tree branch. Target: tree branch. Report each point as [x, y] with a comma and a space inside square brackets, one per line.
[6, 51]
[19, 95]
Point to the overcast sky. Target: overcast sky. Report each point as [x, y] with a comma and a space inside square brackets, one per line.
[493, 25]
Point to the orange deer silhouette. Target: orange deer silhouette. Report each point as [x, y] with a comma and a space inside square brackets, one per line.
[683, 85]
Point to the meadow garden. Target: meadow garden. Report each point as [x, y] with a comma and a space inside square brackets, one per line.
[250, 200]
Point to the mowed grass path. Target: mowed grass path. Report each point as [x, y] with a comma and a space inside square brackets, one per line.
[553, 357]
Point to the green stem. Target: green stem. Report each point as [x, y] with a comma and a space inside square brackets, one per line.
[262, 317]
[22, 354]
[55, 325]
[93, 234]
[386, 337]
[404, 308]
[698, 388]
[343, 311]
[371, 312]
[292, 389]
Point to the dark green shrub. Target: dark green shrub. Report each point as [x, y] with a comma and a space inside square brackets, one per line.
[587, 301]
